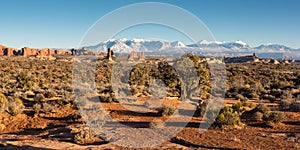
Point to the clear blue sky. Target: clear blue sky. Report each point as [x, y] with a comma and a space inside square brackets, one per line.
[62, 23]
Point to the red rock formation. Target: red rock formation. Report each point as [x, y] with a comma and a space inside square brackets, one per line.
[132, 56]
[2, 50]
[102, 54]
[9, 51]
[26, 51]
[62, 52]
[110, 53]
[142, 56]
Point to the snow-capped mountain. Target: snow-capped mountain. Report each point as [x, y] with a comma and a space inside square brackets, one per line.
[201, 47]
[126, 46]
[273, 48]
[177, 44]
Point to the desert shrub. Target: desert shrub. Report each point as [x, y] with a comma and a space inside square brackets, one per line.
[75, 116]
[227, 117]
[240, 97]
[289, 105]
[295, 107]
[39, 97]
[3, 102]
[253, 95]
[201, 108]
[85, 136]
[276, 92]
[286, 95]
[271, 98]
[274, 118]
[47, 107]
[15, 107]
[25, 80]
[258, 116]
[37, 108]
[238, 107]
[277, 84]
[43, 108]
[285, 104]
[50, 93]
[168, 111]
[262, 108]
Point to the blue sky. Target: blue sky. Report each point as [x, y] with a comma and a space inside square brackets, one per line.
[62, 23]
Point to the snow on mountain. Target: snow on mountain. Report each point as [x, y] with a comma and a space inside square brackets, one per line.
[177, 44]
[273, 48]
[236, 45]
[203, 47]
[204, 42]
[126, 46]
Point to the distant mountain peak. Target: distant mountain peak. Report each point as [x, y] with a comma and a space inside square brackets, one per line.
[241, 42]
[177, 44]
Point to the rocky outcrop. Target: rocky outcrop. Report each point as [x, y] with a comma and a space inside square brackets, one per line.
[132, 56]
[136, 56]
[41, 53]
[26, 51]
[46, 52]
[10, 52]
[242, 59]
[142, 56]
[2, 50]
[110, 53]
[62, 52]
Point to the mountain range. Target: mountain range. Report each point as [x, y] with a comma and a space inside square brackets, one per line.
[217, 48]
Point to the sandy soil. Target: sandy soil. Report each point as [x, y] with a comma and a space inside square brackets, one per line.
[56, 131]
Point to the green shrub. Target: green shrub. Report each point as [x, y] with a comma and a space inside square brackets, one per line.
[3, 102]
[274, 118]
[238, 107]
[15, 107]
[85, 136]
[227, 117]
[25, 80]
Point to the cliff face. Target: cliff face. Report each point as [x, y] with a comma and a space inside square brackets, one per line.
[28, 52]
[8, 51]
[41, 53]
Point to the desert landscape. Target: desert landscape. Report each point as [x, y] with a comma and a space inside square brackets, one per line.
[149, 75]
[40, 109]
